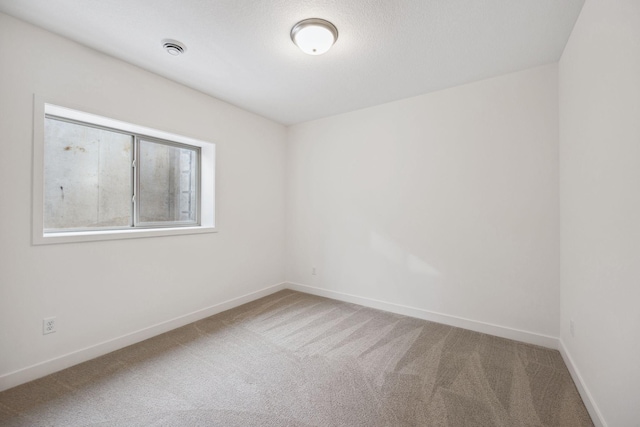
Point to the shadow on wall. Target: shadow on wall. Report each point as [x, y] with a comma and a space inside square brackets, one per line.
[378, 266]
[396, 256]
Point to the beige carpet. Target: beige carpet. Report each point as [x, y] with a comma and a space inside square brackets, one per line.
[292, 359]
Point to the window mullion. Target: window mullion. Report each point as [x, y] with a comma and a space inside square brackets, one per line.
[135, 197]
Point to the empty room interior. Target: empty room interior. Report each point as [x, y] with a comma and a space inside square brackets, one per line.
[320, 213]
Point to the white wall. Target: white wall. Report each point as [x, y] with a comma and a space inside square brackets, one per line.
[599, 87]
[104, 290]
[446, 202]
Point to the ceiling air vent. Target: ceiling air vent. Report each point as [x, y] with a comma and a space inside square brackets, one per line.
[173, 47]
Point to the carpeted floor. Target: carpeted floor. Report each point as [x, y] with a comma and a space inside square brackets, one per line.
[292, 359]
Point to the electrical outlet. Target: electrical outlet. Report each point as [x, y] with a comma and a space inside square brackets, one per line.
[572, 328]
[313, 271]
[48, 325]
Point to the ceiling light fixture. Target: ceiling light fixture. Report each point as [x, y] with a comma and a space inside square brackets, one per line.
[314, 36]
[173, 47]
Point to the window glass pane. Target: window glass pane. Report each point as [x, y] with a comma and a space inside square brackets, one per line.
[168, 178]
[87, 177]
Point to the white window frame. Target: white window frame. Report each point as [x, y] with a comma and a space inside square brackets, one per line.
[207, 214]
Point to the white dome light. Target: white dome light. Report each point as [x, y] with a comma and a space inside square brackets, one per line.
[314, 36]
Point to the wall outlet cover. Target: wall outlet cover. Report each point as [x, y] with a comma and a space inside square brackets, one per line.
[48, 325]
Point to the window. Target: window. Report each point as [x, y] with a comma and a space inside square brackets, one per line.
[97, 178]
[167, 184]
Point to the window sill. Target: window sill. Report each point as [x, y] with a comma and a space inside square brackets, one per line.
[92, 236]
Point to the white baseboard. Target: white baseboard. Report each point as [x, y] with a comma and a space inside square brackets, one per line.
[47, 367]
[474, 325]
[594, 411]
[56, 364]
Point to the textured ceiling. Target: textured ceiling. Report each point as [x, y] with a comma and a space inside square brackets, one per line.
[240, 51]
